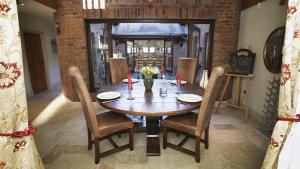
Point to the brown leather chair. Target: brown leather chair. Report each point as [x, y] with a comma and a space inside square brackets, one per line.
[187, 68]
[118, 69]
[193, 124]
[103, 125]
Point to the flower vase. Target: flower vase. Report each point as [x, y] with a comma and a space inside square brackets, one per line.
[148, 83]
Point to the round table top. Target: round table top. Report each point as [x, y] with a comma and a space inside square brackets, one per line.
[150, 103]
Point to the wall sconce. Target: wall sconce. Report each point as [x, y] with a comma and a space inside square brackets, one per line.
[151, 3]
[57, 28]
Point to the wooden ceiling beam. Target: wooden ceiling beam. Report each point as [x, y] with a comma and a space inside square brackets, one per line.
[248, 3]
[50, 3]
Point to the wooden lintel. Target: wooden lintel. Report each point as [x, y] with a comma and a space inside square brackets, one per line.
[50, 3]
[248, 3]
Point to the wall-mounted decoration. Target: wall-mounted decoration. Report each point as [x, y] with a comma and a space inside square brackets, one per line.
[242, 62]
[270, 107]
[57, 28]
[273, 50]
[151, 3]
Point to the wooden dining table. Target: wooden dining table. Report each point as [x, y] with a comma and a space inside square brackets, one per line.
[151, 105]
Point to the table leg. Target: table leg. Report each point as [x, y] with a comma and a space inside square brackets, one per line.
[153, 146]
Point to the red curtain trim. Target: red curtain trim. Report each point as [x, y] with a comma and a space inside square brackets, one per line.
[297, 119]
[24, 133]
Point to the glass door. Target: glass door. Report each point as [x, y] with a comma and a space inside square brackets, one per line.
[131, 51]
[200, 42]
[168, 53]
[195, 46]
[159, 44]
[99, 54]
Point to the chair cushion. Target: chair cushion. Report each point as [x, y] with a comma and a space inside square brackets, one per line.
[185, 122]
[110, 122]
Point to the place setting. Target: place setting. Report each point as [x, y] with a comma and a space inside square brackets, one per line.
[189, 98]
[109, 96]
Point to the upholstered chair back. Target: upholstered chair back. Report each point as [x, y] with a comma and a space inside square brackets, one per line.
[209, 98]
[187, 68]
[118, 69]
[85, 99]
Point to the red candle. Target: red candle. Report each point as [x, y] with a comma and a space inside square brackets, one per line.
[178, 79]
[129, 84]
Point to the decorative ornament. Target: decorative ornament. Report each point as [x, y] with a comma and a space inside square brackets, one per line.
[19, 145]
[4, 9]
[9, 73]
[286, 74]
[270, 107]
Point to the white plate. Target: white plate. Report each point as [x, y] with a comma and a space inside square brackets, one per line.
[108, 95]
[133, 80]
[191, 98]
[183, 82]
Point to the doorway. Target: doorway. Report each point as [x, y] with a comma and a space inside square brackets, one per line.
[34, 53]
[159, 43]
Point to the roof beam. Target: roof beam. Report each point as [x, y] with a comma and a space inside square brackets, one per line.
[248, 3]
[50, 3]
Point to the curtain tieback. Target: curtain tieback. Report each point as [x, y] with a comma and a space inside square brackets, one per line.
[297, 119]
[23, 133]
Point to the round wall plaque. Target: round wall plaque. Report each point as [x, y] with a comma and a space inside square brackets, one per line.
[273, 50]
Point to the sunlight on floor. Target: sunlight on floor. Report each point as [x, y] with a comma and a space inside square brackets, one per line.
[50, 111]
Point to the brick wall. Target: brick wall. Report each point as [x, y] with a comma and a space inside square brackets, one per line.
[71, 41]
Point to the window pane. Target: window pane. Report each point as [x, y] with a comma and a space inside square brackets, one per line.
[169, 50]
[145, 50]
[129, 50]
[152, 50]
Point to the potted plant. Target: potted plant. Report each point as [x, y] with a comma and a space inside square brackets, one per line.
[148, 73]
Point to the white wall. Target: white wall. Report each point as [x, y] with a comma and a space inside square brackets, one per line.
[256, 24]
[44, 27]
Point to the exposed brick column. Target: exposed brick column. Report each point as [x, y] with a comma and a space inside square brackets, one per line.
[226, 30]
[71, 43]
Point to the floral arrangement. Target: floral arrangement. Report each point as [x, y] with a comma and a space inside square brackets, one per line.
[148, 71]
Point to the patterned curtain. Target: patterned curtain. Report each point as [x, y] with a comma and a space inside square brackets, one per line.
[17, 147]
[283, 151]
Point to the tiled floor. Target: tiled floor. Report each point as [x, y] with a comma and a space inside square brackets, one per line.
[62, 141]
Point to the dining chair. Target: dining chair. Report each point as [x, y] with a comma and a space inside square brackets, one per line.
[193, 124]
[100, 126]
[118, 69]
[187, 68]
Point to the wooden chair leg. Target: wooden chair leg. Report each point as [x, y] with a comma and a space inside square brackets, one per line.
[97, 151]
[165, 137]
[89, 139]
[206, 137]
[197, 149]
[131, 139]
